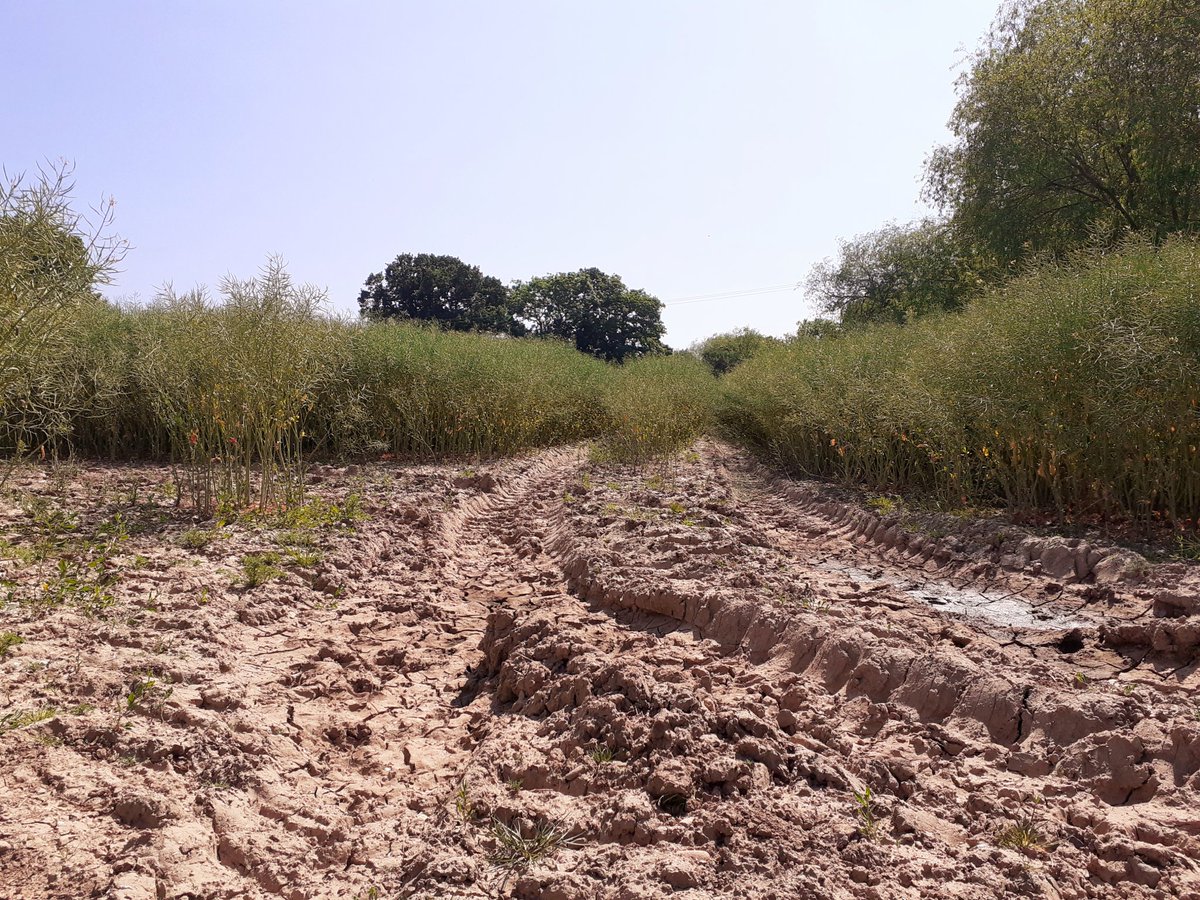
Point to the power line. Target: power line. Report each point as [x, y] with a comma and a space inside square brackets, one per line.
[733, 295]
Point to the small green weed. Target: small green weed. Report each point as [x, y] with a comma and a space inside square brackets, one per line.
[259, 568]
[463, 804]
[8, 640]
[83, 584]
[318, 513]
[1185, 547]
[515, 851]
[20, 552]
[805, 597]
[147, 692]
[815, 604]
[49, 519]
[295, 538]
[868, 824]
[1021, 835]
[198, 538]
[602, 754]
[885, 506]
[14, 721]
[305, 559]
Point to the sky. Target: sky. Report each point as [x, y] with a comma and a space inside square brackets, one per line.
[694, 148]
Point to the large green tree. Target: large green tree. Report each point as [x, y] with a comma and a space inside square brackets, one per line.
[1078, 120]
[725, 352]
[897, 273]
[440, 289]
[595, 311]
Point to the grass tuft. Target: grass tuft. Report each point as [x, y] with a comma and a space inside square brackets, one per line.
[14, 721]
[1021, 835]
[515, 851]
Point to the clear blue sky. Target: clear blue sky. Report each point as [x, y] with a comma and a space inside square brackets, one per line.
[690, 147]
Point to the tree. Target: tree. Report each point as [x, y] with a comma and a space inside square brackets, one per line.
[1077, 120]
[51, 257]
[897, 273]
[51, 260]
[441, 289]
[595, 311]
[725, 352]
[819, 329]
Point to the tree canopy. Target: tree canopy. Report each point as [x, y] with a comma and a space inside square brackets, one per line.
[1078, 120]
[440, 289]
[595, 311]
[1077, 123]
[725, 352]
[51, 259]
[897, 273]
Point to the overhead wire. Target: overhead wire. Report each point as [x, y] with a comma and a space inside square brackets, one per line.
[733, 295]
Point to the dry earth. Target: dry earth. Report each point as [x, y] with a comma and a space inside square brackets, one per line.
[559, 679]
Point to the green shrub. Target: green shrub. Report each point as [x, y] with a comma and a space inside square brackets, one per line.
[725, 352]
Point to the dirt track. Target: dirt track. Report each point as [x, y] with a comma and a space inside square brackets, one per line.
[686, 680]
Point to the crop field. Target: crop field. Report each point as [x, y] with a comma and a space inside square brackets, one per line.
[487, 592]
[568, 675]
[303, 607]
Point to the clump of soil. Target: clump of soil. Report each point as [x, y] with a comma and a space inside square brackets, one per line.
[559, 679]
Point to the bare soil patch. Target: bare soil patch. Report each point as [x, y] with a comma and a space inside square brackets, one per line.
[551, 678]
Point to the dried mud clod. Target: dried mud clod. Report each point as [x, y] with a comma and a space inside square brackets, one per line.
[550, 678]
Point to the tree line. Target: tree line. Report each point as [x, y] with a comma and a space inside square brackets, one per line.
[1077, 125]
[594, 311]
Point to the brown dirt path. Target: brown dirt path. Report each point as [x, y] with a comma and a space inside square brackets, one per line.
[678, 683]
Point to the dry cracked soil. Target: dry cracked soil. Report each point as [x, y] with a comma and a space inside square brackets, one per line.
[550, 677]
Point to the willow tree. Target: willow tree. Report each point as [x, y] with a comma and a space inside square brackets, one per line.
[898, 273]
[1078, 120]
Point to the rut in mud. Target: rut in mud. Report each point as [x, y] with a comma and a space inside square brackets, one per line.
[552, 678]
